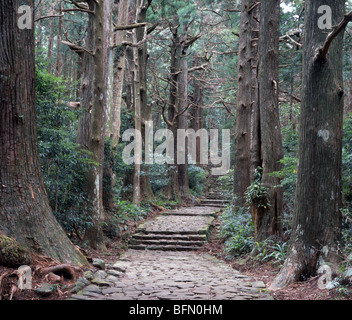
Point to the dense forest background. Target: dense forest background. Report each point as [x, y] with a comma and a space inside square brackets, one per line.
[58, 80]
[140, 75]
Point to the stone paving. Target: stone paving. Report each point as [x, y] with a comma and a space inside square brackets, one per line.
[177, 272]
[160, 275]
[178, 224]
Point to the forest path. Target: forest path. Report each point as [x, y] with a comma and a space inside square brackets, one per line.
[163, 262]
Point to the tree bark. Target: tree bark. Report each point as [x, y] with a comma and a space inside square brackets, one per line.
[25, 213]
[114, 112]
[119, 70]
[242, 172]
[173, 109]
[255, 145]
[269, 221]
[94, 234]
[137, 112]
[146, 109]
[317, 218]
[182, 123]
[197, 114]
[58, 68]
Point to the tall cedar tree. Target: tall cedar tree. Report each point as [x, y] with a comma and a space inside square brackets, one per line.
[317, 218]
[246, 55]
[25, 213]
[267, 218]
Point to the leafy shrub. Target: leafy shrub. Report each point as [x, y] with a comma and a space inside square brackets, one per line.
[197, 179]
[227, 185]
[238, 230]
[159, 178]
[126, 212]
[64, 163]
[256, 194]
[271, 251]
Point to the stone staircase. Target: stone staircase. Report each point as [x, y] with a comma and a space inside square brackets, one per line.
[181, 230]
[213, 196]
[184, 229]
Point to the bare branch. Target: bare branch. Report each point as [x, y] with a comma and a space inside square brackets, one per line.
[80, 5]
[286, 36]
[77, 9]
[50, 16]
[76, 48]
[227, 108]
[198, 67]
[152, 28]
[169, 123]
[188, 42]
[252, 7]
[231, 10]
[322, 52]
[130, 27]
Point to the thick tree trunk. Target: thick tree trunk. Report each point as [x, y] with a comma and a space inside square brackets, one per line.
[173, 109]
[182, 169]
[25, 213]
[58, 71]
[197, 114]
[146, 109]
[119, 70]
[255, 145]
[94, 233]
[114, 113]
[51, 38]
[242, 173]
[317, 218]
[86, 88]
[137, 113]
[269, 221]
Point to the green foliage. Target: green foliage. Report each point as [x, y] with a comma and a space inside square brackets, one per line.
[271, 251]
[256, 194]
[288, 178]
[238, 230]
[131, 211]
[125, 213]
[159, 177]
[227, 185]
[197, 179]
[165, 203]
[64, 164]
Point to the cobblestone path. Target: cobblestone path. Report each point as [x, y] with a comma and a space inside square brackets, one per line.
[163, 263]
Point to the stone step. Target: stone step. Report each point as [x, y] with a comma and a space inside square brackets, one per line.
[164, 248]
[177, 225]
[173, 233]
[214, 200]
[178, 243]
[214, 196]
[192, 211]
[212, 205]
[163, 237]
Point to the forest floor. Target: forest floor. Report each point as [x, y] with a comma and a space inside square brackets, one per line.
[307, 290]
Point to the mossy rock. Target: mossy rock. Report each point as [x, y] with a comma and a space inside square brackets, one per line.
[12, 254]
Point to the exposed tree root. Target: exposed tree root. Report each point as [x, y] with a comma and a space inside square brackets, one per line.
[63, 270]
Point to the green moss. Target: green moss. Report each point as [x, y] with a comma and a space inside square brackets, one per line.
[12, 254]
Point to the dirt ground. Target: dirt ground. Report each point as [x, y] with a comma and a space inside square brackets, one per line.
[307, 290]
